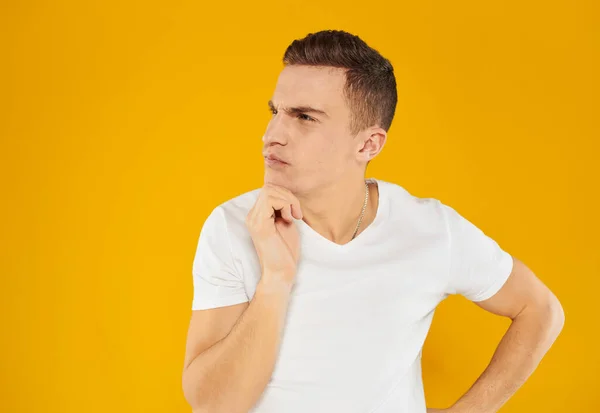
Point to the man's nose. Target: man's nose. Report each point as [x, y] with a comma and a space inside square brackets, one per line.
[277, 131]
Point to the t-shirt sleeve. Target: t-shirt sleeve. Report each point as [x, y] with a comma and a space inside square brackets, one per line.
[216, 281]
[479, 267]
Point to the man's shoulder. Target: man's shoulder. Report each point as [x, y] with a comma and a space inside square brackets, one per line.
[409, 210]
[402, 198]
[240, 204]
[230, 215]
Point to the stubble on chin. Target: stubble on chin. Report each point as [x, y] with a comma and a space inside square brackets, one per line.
[279, 181]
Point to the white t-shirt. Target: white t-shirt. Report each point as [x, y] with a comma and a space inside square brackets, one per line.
[359, 313]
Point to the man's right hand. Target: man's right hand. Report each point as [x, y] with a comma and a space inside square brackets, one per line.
[274, 233]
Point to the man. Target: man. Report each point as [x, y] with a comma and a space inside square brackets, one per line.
[315, 293]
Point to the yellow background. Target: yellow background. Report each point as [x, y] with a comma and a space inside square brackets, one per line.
[124, 123]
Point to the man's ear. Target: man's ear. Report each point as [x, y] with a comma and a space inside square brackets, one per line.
[373, 140]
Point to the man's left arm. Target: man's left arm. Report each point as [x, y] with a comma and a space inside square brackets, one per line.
[537, 319]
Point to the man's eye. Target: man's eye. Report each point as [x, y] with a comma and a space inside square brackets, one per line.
[304, 116]
[273, 111]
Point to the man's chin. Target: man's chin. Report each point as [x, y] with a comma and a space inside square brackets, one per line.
[278, 180]
[275, 180]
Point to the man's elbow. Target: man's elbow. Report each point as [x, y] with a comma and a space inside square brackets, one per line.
[202, 397]
[557, 316]
[192, 385]
[546, 315]
[552, 316]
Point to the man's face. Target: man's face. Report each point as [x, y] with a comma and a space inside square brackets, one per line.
[309, 129]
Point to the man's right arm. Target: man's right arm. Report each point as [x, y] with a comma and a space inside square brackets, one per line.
[231, 375]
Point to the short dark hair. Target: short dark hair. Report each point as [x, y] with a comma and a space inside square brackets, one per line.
[370, 88]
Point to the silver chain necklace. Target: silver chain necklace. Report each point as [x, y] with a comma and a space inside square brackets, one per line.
[363, 210]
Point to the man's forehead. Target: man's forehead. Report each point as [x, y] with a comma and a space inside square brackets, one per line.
[309, 86]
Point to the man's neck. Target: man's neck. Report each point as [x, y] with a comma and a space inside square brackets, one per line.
[333, 211]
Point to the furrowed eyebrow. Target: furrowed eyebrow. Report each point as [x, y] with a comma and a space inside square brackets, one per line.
[300, 109]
